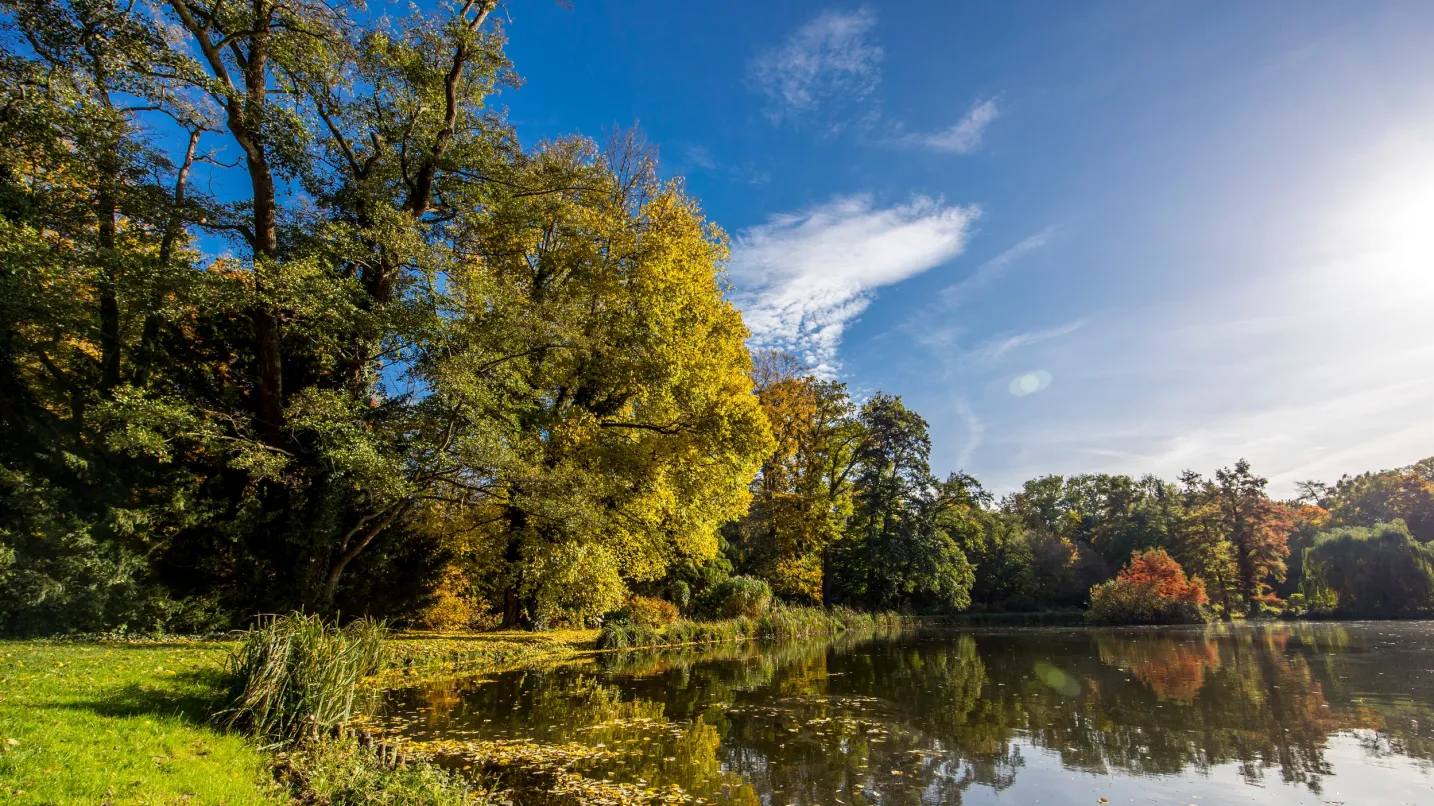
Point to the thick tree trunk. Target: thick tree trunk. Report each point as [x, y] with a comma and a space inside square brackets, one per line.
[269, 385]
[511, 611]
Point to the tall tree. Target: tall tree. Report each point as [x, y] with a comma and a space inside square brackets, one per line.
[802, 495]
[897, 552]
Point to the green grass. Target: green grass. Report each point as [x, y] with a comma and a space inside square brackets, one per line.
[121, 723]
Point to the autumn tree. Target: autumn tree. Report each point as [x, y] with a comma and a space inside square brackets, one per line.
[802, 495]
[1150, 589]
[1405, 494]
[421, 338]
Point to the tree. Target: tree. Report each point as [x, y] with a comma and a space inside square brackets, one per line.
[1371, 571]
[1366, 499]
[424, 340]
[626, 394]
[1159, 572]
[802, 495]
[1230, 534]
[896, 552]
[1150, 589]
[1260, 530]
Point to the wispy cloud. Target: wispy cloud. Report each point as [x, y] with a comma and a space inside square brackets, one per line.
[801, 278]
[828, 63]
[700, 156]
[963, 138]
[992, 350]
[975, 432]
[934, 327]
[957, 294]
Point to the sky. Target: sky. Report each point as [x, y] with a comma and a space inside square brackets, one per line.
[1130, 237]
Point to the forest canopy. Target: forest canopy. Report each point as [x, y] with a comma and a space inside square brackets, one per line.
[385, 359]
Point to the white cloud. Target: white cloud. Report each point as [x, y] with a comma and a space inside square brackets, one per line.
[802, 277]
[963, 138]
[828, 62]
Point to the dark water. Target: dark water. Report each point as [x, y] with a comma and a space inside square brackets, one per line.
[1287, 714]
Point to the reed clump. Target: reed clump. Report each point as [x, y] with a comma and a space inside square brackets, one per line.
[296, 677]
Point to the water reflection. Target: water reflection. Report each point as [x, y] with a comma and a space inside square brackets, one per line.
[938, 716]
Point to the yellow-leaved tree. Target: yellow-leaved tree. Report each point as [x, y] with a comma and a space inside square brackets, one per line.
[588, 323]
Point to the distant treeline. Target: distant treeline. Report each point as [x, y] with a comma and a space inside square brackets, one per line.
[290, 319]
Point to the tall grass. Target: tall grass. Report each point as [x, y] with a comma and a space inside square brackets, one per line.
[296, 677]
[780, 622]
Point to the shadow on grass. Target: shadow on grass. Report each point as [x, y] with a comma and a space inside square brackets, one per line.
[192, 696]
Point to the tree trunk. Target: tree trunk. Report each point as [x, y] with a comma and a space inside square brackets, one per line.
[269, 386]
[511, 613]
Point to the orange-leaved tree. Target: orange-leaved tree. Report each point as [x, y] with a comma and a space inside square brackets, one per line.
[1158, 571]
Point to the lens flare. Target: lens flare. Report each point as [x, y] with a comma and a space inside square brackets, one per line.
[1062, 681]
[1030, 383]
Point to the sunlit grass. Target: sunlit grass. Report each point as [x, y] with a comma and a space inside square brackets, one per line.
[780, 623]
[428, 653]
[121, 723]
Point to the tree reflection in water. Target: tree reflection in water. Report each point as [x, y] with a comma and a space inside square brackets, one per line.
[923, 718]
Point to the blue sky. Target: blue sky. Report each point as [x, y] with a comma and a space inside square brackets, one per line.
[1126, 237]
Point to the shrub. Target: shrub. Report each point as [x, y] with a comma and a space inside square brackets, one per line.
[681, 594]
[740, 596]
[295, 678]
[1150, 589]
[339, 772]
[648, 612]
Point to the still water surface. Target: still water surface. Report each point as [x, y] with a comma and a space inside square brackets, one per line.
[1282, 714]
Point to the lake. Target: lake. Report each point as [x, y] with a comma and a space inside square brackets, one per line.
[1266, 714]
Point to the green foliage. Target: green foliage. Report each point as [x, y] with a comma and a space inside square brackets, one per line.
[898, 551]
[340, 772]
[296, 678]
[739, 596]
[1376, 571]
[681, 594]
[340, 406]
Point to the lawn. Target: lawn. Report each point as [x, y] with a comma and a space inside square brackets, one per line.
[120, 723]
[127, 722]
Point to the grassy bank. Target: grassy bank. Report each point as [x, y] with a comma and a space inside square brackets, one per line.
[777, 623]
[121, 723]
[130, 721]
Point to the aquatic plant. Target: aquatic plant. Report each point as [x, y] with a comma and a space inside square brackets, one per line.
[296, 677]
